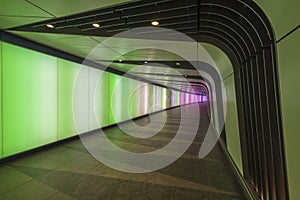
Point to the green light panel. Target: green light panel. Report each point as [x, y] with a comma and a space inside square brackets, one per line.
[129, 98]
[66, 77]
[150, 98]
[93, 78]
[231, 123]
[102, 98]
[1, 145]
[116, 98]
[37, 97]
[132, 98]
[29, 99]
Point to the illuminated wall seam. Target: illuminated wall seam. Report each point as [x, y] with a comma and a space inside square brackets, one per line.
[1, 113]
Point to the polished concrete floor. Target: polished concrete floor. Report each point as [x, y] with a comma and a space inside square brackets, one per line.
[68, 171]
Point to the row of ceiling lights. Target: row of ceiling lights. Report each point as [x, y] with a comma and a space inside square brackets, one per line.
[97, 25]
[164, 74]
[147, 62]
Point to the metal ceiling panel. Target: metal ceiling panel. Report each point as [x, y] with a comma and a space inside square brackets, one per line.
[61, 8]
[21, 8]
[76, 45]
[12, 21]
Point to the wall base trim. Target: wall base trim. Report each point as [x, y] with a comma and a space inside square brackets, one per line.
[247, 190]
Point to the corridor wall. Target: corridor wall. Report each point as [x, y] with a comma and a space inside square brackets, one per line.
[290, 98]
[37, 99]
[1, 144]
[229, 103]
[29, 95]
[285, 18]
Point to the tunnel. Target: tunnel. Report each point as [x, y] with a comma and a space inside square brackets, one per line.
[141, 99]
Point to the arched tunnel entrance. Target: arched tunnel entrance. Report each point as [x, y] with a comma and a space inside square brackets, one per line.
[244, 33]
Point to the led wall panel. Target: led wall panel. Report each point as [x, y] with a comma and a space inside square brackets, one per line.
[164, 98]
[81, 100]
[231, 124]
[130, 100]
[157, 97]
[1, 144]
[137, 91]
[143, 98]
[29, 99]
[177, 94]
[115, 84]
[125, 87]
[95, 75]
[102, 100]
[67, 72]
[150, 98]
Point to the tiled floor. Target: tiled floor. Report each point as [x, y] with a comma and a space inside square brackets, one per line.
[68, 171]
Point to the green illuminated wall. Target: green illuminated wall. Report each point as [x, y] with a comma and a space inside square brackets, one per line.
[66, 76]
[231, 124]
[29, 99]
[103, 100]
[37, 99]
[130, 98]
[231, 117]
[1, 146]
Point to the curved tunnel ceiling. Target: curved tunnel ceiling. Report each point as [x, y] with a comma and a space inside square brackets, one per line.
[226, 24]
[229, 21]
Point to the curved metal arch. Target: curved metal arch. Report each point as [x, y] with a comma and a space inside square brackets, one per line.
[238, 23]
[221, 45]
[224, 41]
[236, 11]
[258, 26]
[236, 42]
[233, 27]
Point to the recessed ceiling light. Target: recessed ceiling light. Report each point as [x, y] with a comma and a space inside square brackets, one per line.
[96, 25]
[155, 23]
[177, 64]
[50, 25]
[145, 62]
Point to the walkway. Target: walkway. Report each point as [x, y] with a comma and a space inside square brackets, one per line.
[68, 171]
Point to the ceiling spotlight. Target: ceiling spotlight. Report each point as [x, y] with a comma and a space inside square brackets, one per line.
[50, 25]
[120, 60]
[96, 25]
[155, 23]
[145, 62]
[177, 64]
